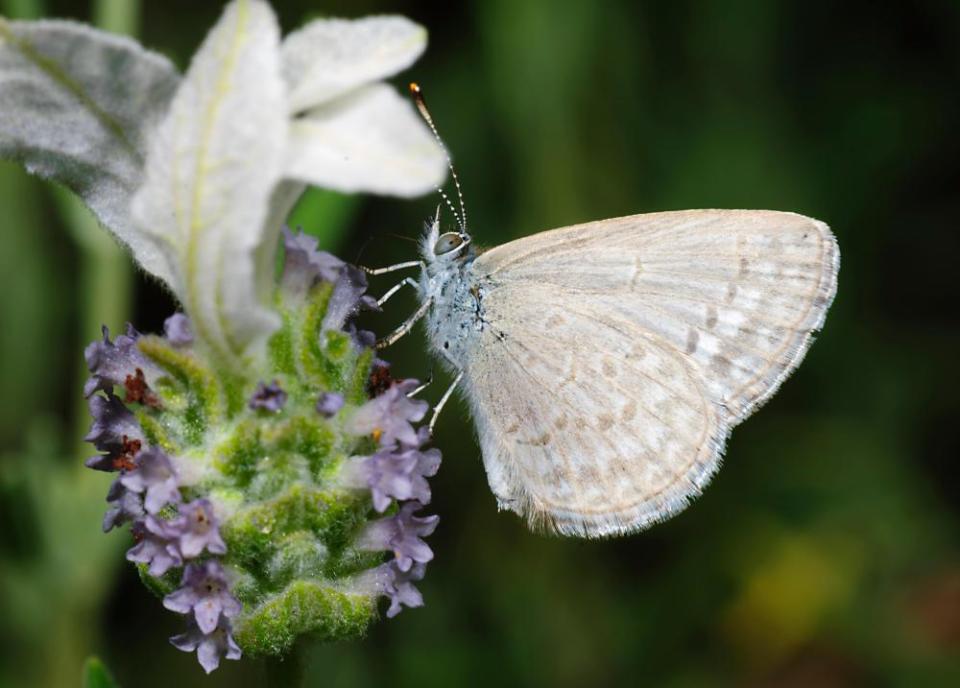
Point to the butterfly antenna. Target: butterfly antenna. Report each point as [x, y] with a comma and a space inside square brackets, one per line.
[363, 248]
[403, 238]
[421, 104]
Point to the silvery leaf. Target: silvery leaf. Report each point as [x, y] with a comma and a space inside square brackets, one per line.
[74, 103]
[368, 140]
[211, 169]
[329, 57]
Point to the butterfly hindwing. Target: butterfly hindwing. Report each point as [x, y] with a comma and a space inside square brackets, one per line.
[619, 353]
[588, 425]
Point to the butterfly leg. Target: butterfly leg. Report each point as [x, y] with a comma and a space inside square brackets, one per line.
[396, 287]
[427, 383]
[443, 401]
[405, 327]
[394, 268]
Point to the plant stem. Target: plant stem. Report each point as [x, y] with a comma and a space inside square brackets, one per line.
[23, 9]
[286, 672]
[106, 276]
[104, 291]
[118, 16]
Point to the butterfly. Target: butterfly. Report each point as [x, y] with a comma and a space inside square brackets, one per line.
[606, 363]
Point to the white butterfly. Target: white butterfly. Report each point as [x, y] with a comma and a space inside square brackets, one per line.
[606, 363]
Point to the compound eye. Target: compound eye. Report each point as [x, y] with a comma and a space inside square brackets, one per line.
[447, 242]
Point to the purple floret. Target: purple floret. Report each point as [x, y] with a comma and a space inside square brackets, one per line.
[177, 330]
[329, 404]
[399, 474]
[155, 546]
[423, 437]
[363, 339]
[389, 416]
[268, 398]
[348, 298]
[198, 529]
[304, 265]
[402, 534]
[120, 363]
[125, 506]
[210, 647]
[155, 476]
[116, 431]
[205, 592]
[398, 586]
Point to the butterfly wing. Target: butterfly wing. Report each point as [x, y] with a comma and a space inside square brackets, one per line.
[620, 353]
[589, 425]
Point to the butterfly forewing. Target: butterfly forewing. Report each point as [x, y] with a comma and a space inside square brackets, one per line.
[726, 300]
[589, 425]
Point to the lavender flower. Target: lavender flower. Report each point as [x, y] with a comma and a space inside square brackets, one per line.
[155, 546]
[125, 506]
[120, 363]
[210, 647]
[423, 438]
[398, 474]
[268, 398]
[205, 592]
[198, 529]
[116, 431]
[177, 330]
[292, 522]
[304, 264]
[154, 475]
[402, 534]
[363, 339]
[397, 584]
[329, 404]
[348, 298]
[388, 417]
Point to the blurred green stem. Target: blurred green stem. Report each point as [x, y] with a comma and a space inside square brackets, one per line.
[287, 672]
[104, 290]
[24, 9]
[118, 16]
[105, 271]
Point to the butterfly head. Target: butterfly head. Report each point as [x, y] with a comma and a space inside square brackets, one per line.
[444, 248]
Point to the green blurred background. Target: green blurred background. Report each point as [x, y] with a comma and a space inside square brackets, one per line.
[824, 553]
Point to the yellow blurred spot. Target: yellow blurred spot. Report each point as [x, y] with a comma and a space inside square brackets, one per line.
[786, 596]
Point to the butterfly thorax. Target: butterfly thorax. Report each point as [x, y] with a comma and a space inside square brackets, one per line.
[456, 300]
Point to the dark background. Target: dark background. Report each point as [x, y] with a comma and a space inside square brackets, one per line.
[826, 550]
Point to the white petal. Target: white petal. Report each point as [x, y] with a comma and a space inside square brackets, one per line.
[73, 106]
[329, 57]
[211, 170]
[369, 140]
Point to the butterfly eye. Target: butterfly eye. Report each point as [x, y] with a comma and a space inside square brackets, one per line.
[447, 242]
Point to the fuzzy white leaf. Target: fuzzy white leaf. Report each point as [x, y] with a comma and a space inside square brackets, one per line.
[368, 140]
[328, 57]
[74, 103]
[211, 170]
